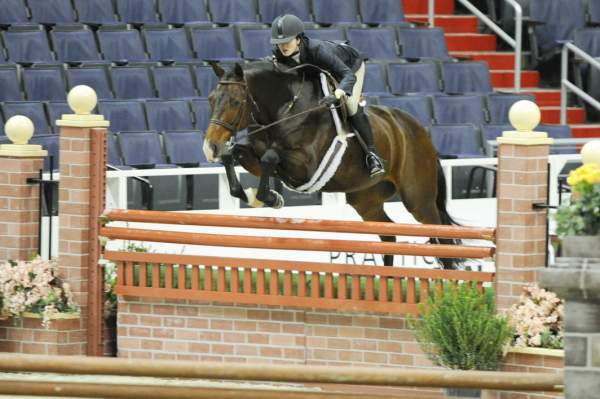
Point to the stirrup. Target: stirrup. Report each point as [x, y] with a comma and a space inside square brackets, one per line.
[374, 164]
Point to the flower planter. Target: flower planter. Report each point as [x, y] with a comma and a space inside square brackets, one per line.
[581, 247]
[58, 316]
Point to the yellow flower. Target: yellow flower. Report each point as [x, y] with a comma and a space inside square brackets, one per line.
[588, 173]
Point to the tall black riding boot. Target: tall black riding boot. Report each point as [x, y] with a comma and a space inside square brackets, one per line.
[361, 124]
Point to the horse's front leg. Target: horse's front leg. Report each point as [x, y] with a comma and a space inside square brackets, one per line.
[268, 163]
[235, 187]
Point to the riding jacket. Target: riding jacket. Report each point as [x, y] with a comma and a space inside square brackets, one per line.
[340, 59]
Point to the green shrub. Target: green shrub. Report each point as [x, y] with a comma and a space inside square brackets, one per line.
[460, 330]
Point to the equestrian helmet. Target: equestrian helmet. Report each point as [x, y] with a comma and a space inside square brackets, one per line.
[286, 28]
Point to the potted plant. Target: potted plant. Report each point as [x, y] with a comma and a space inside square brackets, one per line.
[578, 221]
[537, 319]
[460, 329]
[33, 289]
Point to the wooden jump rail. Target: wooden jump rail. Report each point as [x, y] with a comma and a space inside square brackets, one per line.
[284, 282]
[389, 377]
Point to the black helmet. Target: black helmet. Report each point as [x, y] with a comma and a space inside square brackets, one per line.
[286, 28]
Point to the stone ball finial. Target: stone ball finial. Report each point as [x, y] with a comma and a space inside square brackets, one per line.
[82, 99]
[524, 115]
[590, 153]
[19, 129]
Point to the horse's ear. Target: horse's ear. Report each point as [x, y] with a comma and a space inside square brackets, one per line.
[238, 70]
[217, 69]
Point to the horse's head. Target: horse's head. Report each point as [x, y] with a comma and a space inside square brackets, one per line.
[229, 110]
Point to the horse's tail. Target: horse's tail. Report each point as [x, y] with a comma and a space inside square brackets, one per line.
[440, 201]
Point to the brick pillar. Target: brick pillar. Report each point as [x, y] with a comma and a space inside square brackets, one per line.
[522, 181]
[82, 165]
[19, 201]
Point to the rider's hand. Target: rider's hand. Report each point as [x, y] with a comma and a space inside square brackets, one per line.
[339, 94]
[329, 100]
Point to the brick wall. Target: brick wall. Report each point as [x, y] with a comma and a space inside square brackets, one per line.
[172, 329]
[19, 208]
[530, 363]
[26, 335]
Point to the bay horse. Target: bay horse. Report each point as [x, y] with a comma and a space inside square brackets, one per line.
[288, 136]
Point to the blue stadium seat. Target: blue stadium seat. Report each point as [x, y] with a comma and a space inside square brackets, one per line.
[215, 43]
[144, 150]
[74, 44]
[423, 43]
[118, 43]
[96, 11]
[206, 79]
[34, 110]
[51, 143]
[588, 39]
[466, 77]
[45, 83]
[375, 80]
[51, 11]
[270, 9]
[56, 109]
[95, 76]
[553, 25]
[381, 11]
[593, 12]
[124, 116]
[201, 109]
[335, 11]
[2, 134]
[332, 34]
[137, 11]
[254, 42]
[498, 105]
[27, 44]
[184, 148]
[413, 77]
[13, 12]
[456, 140]
[167, 44]
[130, 82]
[376, 43]
[113, 156]
[419, 106]
[230, 11]
[10, 83]
[182, 11]
[558, 132]
[174, 82]
[459, 109]
[165, 116]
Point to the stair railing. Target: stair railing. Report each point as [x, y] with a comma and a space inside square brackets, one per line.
[566, 85]
[516, 42]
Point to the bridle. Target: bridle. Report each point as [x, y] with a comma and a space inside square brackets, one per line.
[234, 127]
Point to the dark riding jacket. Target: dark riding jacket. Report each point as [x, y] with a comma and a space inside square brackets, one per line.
[340, 59]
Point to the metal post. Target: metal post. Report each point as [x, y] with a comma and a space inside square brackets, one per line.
[564, 75]
[431, 11]
[518, 43]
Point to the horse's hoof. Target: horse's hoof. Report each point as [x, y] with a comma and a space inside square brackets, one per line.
[252, 200]
[279, 201]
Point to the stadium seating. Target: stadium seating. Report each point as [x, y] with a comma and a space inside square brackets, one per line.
[466, 77]
[95, 76]
[215, 43]
[27, 44]
[375, 83]
[166, 44]
[124, 116]
[381, 12]
[174, 82]
[456, 140]
[13, 12]
[332, 33]
[56, 109]
[423, 43]
[375, 43]
[419, 106]
[201, 109]
[254, 41]
[182, 11]
[45, 83]
[137, 11]
[74, 43]
[498, 105]
[132, 82]
[166, 116]
[206, 80]
[335, 11]
[230, 11]
[413, 77]
[51, 143]
[268, 10]
[119, 43]
[10, 83]
[96, 11]
[459, 109]
[51, 11]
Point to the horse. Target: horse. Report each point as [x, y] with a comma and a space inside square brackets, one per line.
[288, 136]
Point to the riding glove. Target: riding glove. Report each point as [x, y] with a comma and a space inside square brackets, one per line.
[334, 98]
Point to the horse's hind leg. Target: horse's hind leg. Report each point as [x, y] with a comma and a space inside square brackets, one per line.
[369, 205]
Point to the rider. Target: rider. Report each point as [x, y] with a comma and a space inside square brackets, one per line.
[345, 63]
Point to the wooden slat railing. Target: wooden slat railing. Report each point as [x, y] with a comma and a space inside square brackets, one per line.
[283, 283]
